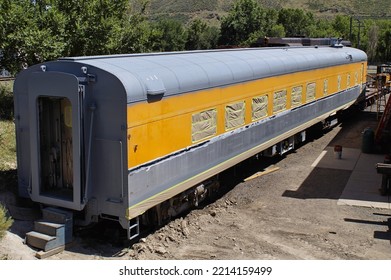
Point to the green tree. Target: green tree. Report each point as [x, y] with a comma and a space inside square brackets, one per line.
[245, 18]
[134, 34]
[91, 24]
[201, 36]
[30, 33]
[169, 35]
[373, 41]
[35, 31]
[271, 26]
[341, 26]
[322, 29]
[384, 45]
[211, 37]
[296, 22]
[5, 221]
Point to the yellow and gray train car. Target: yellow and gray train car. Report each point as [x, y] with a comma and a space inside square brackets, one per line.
[136, 138]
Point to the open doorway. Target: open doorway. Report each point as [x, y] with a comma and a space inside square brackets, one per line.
[55, 147]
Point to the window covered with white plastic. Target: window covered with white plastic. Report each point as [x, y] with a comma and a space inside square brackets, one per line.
[297, 96]
[259, 107]
[279, 100]
[311, 91]
[234, 115]
[203, 125]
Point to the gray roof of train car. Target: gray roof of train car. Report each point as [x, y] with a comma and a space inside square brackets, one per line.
[179, 72]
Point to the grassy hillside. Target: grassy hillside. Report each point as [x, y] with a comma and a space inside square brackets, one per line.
[212, 10]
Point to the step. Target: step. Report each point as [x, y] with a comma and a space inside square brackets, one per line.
[56, 215]
[40, 240]
[48, 228]
[59, 216]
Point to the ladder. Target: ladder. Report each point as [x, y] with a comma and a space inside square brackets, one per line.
[381, 103]
[384, 121]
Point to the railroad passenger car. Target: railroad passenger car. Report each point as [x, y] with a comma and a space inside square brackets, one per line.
[138, 138]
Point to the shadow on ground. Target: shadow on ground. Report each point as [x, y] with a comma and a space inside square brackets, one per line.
[378, 234]
[329, 183]
[321, 183]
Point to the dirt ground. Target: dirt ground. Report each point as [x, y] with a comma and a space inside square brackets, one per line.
[291, 213]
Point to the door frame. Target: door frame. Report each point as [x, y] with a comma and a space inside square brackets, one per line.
[55, 84]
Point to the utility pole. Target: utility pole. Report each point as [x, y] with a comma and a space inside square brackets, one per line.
[360, 25]
[350, 29]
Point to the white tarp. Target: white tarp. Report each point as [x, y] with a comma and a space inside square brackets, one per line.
[259, 107]
[297, 96]
[234, 115]
[311, 91]
[204, 125]
[325, 87]
[279, 101]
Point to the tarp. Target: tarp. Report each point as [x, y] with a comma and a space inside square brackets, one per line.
[325, 87]
[234, 115]
[297, 96]
[204, 125]
[311, 92]
[259, 107]
[279, 101]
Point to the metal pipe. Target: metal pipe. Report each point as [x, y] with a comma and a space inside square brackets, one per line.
[85, 198]
[122, 173]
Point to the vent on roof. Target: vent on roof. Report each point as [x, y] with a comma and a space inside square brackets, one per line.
[336, 43]
[154, 86]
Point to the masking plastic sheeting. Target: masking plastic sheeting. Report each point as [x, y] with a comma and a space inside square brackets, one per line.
[297, 96]
[204, 125]
[279, 101]
[234, 115]
[311, 92]
[259, 107]
[339, 82]
[325, 87]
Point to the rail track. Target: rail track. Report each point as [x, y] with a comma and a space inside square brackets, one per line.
[5, 79]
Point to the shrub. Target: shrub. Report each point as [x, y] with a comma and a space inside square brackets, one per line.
[7, 152]
[6, 101]
[5, 221]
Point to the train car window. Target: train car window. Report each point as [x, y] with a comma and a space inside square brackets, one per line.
[348, 80]
[325, 87]
[297, 96]
[279, 100]
[234, 115]
[259, 107]
[356, 78]
[339, 82]
[362, 73]
[311, 90]
[203, 125]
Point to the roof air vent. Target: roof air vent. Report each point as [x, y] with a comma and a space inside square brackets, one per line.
[154, 86]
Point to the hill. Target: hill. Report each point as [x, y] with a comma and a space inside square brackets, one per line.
[213, 10]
